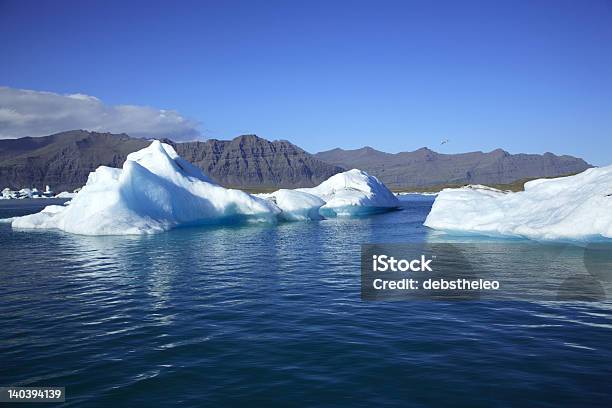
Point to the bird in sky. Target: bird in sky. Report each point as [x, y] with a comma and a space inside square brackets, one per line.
[445, 141]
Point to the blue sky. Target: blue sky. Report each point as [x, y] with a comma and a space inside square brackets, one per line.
[526, 76]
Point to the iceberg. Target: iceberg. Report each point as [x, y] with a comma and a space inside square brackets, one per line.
[353, 193]
[575, 208]
[157, 190]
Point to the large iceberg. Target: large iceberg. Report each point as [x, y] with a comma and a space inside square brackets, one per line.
[568, 208]
[157, 190]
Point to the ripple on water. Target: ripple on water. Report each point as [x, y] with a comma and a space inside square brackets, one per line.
[260, 314]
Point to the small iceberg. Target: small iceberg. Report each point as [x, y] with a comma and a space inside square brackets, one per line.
[353, 193]
[66, 194]
[157, 190]
[568, 208]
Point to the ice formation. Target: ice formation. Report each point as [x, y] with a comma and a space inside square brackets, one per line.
[157, 190]
[568, 208]
[296, 205]
[345, 194]
[66, 194]
[353, 192]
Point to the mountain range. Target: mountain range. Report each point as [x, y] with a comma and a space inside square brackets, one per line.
[64, 160]
[426, 168]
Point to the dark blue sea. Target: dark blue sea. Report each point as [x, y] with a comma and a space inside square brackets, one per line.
[272, 316]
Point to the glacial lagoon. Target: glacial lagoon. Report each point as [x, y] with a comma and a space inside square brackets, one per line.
[272, 314]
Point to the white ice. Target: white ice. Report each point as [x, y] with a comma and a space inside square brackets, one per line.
[296, 205]
[353, 192]
[568, 208]
[66, 194]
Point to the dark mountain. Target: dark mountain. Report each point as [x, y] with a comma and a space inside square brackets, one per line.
[250, 161]
[425, 168]
[64, 160]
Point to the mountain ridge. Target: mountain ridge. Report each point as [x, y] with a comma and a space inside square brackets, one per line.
[64, 161]
[425, 167]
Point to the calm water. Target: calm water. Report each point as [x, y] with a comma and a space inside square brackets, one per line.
[272, 315]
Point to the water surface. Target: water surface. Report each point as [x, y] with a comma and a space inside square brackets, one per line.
[273, 315]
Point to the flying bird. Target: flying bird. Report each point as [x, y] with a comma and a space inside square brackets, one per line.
[445, 141]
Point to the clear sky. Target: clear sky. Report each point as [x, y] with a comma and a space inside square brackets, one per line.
[526, 76]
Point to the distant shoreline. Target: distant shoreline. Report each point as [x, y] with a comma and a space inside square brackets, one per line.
[518, 185]
[25, 202]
